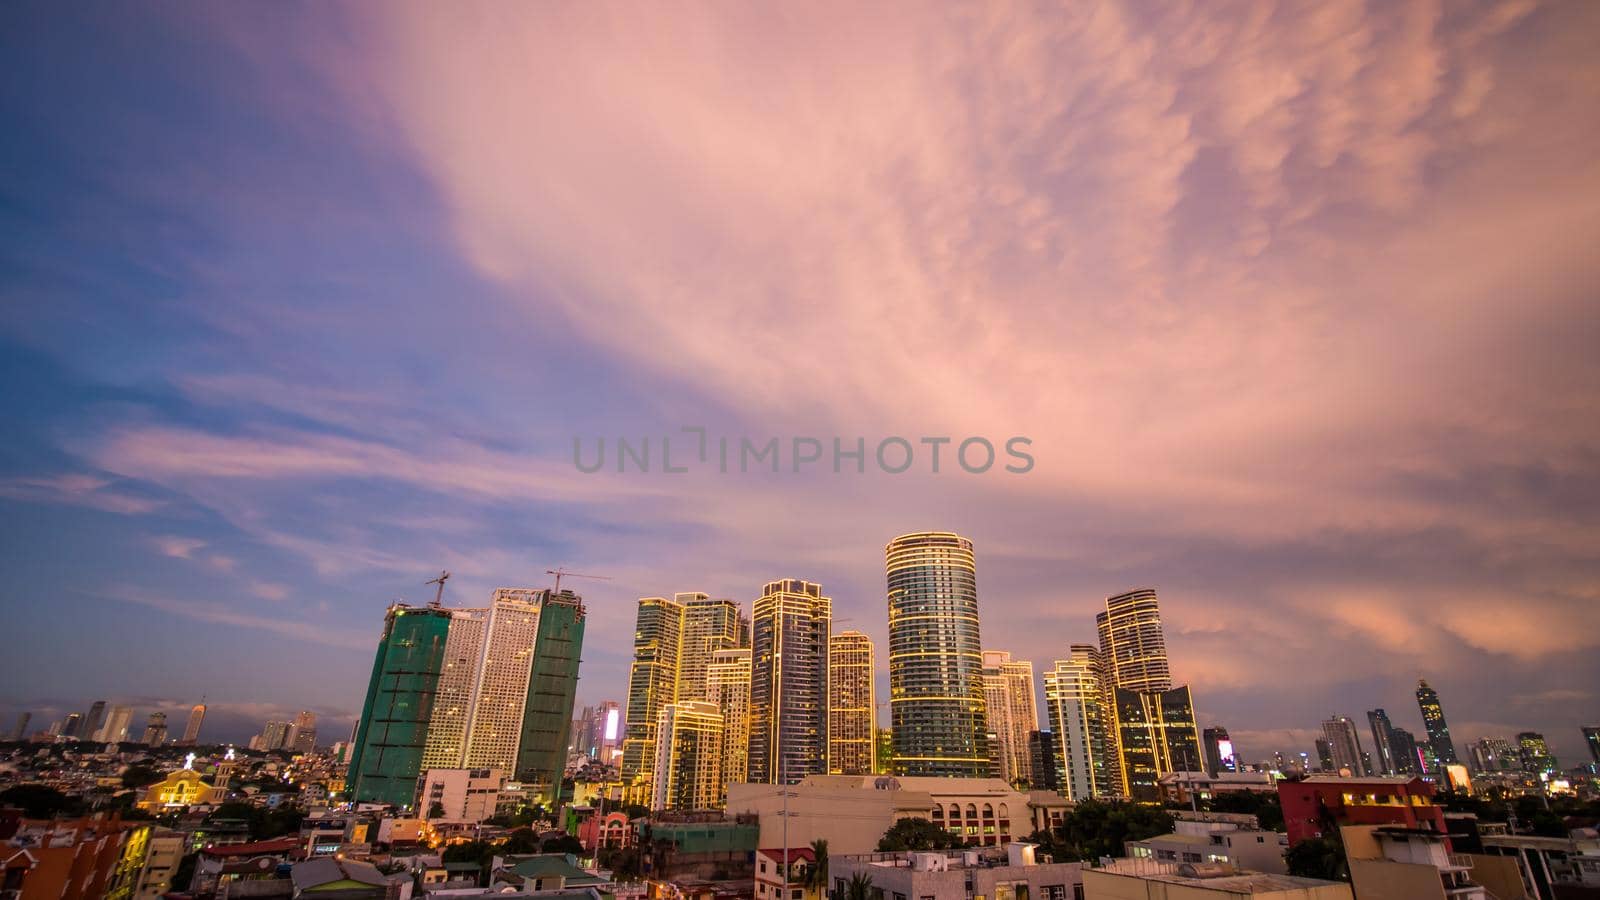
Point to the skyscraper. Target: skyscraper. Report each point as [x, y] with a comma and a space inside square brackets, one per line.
[1074, 699]
[852, 711]
[1042, 757]
[95, 721]
[1325, 760]
[191, 731]
[20, 732]
[1591, 737]
[1345, 743]
[709, 625]
[552, 690]
[790, 631]
[652, 683]
[155, 729]
[393, 729]
[501, 696]
[728, 689]
[458, 679]
[688, 763]
[1407, 761]
[1433, 721]
[1219, 750]
[1382, 742]
[1491, 755]
[1151, 723]
[118, 721]
[1012, 714]
[1536, 756]
[935, 656]
[275, 736]
[302, 736]
[71, 726]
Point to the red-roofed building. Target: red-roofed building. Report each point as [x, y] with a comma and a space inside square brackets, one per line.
[1312, 802]
[67, 858]
[769, 874]
[229, 862]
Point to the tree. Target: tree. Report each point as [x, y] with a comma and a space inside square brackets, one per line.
[1321, 857]
[1548, 824]
[1265, 807]
[523, 840]
[859, 887]
[38, 801]
[1096, 828]
[563, 843]
[817, 875]
[140, 775]
[436, 810]
[917, 834]
[480, 852]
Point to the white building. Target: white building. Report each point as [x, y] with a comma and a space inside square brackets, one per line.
[1008, 873]
[459, 795]
[1012, 713]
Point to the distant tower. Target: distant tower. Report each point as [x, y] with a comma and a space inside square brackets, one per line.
[1591, 737]
[688, 763]
[789, 682]
[95, 721]
[552, 690]
[1153, 728]
[1219, 751]
[1383, 757]
[1536, 756]
[940, 725]
[118, 721]
[652, 683]
[20, 732]
[1075, 701]
[191, 731]
[302, 736]
[1433, 721]
[728, 689]
[155, 729]
[1345, 744]
[1012, 714]
[852, 712]
[709, 625]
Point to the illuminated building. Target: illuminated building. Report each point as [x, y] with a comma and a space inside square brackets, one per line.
[393, 729]
[1219, 750]
[1011, 714]
[1150, 723]
[302, 736]
[602, 731]
[275, 736]
[1591, 737]
[1345, 745]
[709, 625]
[1433, 721]
[1407, 757]
[179, 789]
[1156, 734]
[688, 763]
[1325, 755]
[20, 732]
[155, 729]
[884, 760]
[852, 710]
[501, 696]
[935, 657]
[1309, 803]
[1491, 755]
[1074, 700]
[728, 689]
[1536, 757]
[1383, 758]
[552, 689]
[191, 731]
[452, 705]
[652, 683]
[790, 632]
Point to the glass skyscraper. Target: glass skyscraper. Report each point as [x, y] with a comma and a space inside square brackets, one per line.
[852, 707]
[1433, 721]
[790, 633]
[652, 684]
[935, 657]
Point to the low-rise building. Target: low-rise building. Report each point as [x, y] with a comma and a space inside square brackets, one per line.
[1311, 803]
[771, 882]
[1145, 879]
[1215, 842]
[84, 857]
[459, 795]
[1546, 863]
[163, 852]
[1012, 872]
[1388, 862]
[1179, 787]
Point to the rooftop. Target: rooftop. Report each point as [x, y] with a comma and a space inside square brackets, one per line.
[1238, 882]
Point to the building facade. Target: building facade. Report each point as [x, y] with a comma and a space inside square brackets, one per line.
[709, 625]
[936, 697]
[652, 683]
[552, 690]
[1345, 745]
[728, 689]
[1075, 702]
[393, 729]
[1433, 721]
[852, 706]
[688, 763]
[191, 731]
[790, 633]
[1219, 750]
[1012, 714]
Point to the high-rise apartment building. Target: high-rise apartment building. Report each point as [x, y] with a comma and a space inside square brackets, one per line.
[1151, 723]
[393, 729]
[20, 731]
[71, 725]
[1074, 700]
[302, 736]
[118, 721]
[1433, 720]
[790, 632]
[155, 729]
[191, 731]
[601, 731]
[1042, 757]
[501, 696]
[728, 689]
[95, 721]
[709, 625]
[1591, 738]
[1345, 743]
[688, 763]
[458, 679]
[652, 683]
[1325, 762]
[940, 725]
[1535, 753]
[1491, 755]
[1407, 759]
[852, 707]
[275, 736]
[1012, 714]
[1219, 751]
[1383, 760]
[552, 689]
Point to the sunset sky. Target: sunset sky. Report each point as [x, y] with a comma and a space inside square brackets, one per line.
[1299, 303]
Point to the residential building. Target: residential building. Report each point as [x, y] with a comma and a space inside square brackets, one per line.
[1142, 879]
[118, 721]
[72, 858]
[1179, 787]
[1012, 715]
[458, 679]
[466, 796]
[1389, 862]
[1407, 755]
[1345, 745]
[935, 657]
[95, 721]
[1433, 721]
[1156, 734]
[1042, 755]
[392, 732]
[728, 689]
[1383, 757]
[652, 684]
[552, 690]
[1215, 842]
[1011, 872]
[709, 625]
[1591, 739]
[1132, 645]
[1493, 755]
[790, 632]
[164, 851]
[779, 869]
[1535, 753]
[275, 736]
[20, 731]
[191, 731]
[1074, 700]
[155, 730]
[302, 736]
[852, 704]
[688, 765]
[494, 728]
[1309, 803]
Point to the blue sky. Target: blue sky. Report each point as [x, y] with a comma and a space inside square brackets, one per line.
[298, 308]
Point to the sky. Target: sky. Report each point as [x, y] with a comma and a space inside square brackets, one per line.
[1297, 304]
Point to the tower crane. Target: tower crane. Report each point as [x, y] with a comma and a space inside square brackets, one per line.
[438, 597]
[560, 573]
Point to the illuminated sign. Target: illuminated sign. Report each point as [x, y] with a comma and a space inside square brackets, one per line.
[1225, 752]
[611, 724]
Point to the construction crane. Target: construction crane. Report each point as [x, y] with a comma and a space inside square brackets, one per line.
[438, 597]
[559, 573]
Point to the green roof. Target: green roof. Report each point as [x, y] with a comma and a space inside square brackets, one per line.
[549, 865]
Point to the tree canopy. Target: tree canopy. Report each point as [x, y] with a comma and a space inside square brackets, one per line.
[917, 834]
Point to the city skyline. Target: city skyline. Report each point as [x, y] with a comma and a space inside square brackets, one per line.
[1299, 337]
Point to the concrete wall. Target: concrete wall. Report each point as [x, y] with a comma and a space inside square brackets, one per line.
[1380, 879]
